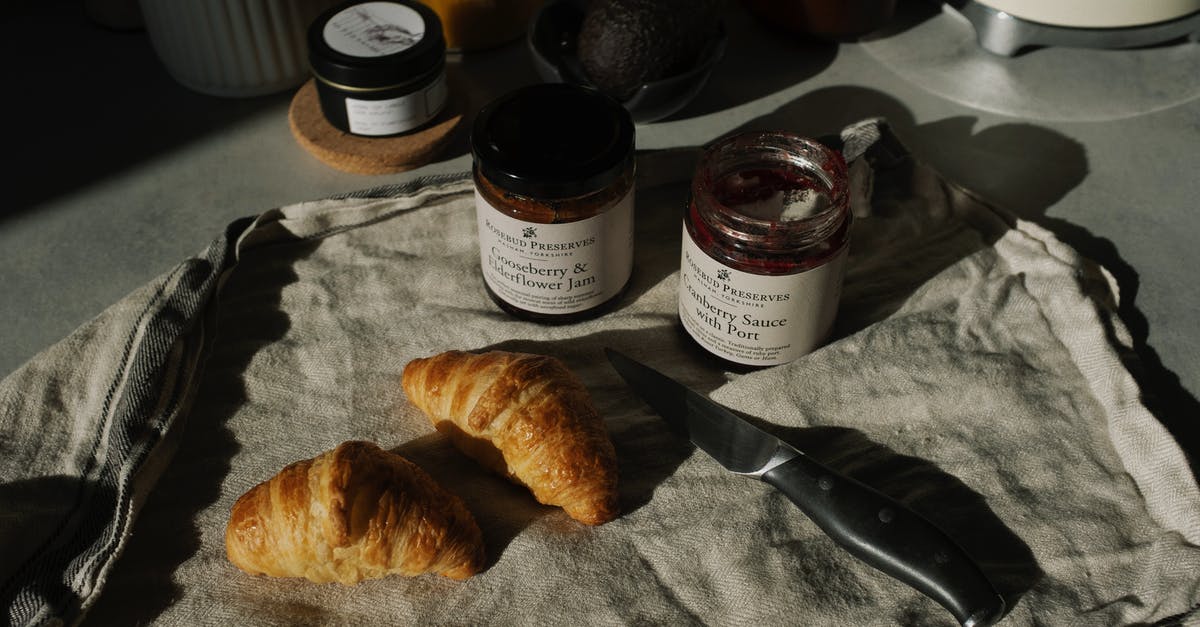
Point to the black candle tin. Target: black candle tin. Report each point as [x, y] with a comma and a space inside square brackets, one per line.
[379, 66]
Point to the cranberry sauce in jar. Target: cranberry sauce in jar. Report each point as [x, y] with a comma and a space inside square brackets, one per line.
[764, 247]
[554, 183]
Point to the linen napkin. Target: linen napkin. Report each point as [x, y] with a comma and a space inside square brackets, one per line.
[976, 374]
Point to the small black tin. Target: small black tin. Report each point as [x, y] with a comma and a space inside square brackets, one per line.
[379, 66]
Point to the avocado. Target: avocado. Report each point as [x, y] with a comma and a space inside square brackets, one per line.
[625, 43]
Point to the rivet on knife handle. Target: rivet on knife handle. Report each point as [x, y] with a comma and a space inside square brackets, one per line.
[890, 537]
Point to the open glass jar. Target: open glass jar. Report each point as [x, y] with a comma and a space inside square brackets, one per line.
[764, 247]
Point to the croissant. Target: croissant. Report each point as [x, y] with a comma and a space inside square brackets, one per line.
[525, 417]
[355, 512]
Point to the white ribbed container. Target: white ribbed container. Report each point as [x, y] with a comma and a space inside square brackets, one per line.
[233, 48]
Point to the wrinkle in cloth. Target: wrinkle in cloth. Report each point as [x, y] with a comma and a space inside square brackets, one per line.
[975, 374]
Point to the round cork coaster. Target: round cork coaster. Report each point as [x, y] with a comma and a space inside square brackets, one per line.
[367, 155]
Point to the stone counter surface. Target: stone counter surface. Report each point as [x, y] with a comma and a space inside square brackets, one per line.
[115, 172]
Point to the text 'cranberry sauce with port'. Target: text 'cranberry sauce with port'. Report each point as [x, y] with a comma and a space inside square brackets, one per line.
[554, 172]
[764, 247]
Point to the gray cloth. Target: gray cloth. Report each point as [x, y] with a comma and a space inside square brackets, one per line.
[976, 374]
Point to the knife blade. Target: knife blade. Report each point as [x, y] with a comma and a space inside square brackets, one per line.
[870, 525]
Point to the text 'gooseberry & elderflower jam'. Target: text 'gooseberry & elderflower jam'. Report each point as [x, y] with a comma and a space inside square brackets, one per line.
[765, 239]
[554, 174]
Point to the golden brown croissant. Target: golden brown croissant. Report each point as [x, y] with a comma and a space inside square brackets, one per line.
[525, 417]
[355, 512]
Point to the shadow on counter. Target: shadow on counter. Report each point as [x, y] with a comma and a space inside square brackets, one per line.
[759, 61]
[934, 243]
[101, 102]
[95, 103]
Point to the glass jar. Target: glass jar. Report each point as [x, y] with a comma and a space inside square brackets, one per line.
[764, 247]
[554, 173]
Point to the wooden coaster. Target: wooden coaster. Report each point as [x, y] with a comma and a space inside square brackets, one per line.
[367, 155]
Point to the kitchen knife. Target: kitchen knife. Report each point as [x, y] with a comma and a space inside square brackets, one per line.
[873, 527]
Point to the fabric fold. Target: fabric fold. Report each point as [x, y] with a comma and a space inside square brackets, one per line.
[975, 374]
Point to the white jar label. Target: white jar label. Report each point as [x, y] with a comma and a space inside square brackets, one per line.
[755, 319]
[556, 268]
[374, 29]
[396, 115]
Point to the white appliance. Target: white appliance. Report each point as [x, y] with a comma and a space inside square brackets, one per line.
[1007, 26]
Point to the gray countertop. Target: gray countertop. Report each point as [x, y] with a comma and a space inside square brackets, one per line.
[116, 172]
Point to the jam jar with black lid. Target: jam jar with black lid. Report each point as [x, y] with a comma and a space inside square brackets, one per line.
[554, 189]
[765, 240]
[379, 66]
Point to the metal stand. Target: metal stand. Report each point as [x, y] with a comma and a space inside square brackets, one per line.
[1004, 34]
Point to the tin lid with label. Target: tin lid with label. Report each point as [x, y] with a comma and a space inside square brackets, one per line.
[553, 141]
[376, 44]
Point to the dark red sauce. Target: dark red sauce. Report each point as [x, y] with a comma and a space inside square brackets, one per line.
[773, 205]
[771, 251]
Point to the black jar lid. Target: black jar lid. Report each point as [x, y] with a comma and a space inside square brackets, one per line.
[553, 141]
[376, 44]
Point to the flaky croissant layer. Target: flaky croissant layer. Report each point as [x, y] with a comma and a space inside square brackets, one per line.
[526, 417]
[355, 512]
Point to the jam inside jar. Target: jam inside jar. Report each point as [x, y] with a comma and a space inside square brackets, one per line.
[765, 238]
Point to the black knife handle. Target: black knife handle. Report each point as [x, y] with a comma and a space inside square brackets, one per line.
[890, 537]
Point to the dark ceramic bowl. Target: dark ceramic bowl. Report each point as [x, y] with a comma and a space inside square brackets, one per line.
[552, 38]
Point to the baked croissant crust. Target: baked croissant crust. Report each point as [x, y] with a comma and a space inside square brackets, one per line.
[526, 417]
[355, 512]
